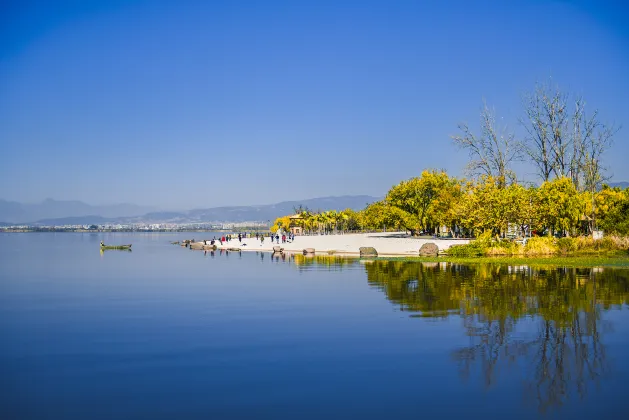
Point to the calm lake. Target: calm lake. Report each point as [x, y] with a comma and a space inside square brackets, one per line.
[163, 332]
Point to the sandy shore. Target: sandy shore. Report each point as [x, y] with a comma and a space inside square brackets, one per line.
[387, 244]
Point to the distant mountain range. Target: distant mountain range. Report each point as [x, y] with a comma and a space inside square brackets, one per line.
[52, 212]
[622, 184]
[13, 212]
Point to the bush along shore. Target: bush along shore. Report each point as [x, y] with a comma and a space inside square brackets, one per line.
[487, 246]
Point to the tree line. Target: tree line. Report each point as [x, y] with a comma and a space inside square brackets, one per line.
[470, 207]
[562, 140]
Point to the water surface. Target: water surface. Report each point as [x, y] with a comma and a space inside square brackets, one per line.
[165, 332]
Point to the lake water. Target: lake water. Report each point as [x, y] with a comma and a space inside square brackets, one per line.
[163, 332]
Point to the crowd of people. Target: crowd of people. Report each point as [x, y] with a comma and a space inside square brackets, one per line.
[285, 237]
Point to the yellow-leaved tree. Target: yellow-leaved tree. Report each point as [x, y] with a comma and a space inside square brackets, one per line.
[559, 205]
[281, 222]
[421, 202]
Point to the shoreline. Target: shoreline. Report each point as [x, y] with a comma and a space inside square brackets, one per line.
[391, 244]
[398, 246]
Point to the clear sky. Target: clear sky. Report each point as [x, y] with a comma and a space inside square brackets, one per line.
[186, 104]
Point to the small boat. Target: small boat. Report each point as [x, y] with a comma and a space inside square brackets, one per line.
[103, 246]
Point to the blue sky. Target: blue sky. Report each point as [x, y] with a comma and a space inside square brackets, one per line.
[195, 104]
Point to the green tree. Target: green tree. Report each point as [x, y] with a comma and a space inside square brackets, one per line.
[486, 207]
[351, 219]
[417, 197]
[559, 206]
[380, 215]
[612, 210]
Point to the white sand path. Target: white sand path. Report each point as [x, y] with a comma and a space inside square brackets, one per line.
[388, 243]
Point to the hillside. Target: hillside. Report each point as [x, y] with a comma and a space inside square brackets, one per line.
[621, 184]
[13, 213]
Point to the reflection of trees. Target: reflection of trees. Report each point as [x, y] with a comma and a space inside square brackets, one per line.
[328, 262]
[562, 305]
[565, 357]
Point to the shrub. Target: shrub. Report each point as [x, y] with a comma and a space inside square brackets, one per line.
[566, 245]
[468, 250]
[503, 248]
[621, 242]
[543, 245]
[484, 240]
[546, 245]
[608, 243]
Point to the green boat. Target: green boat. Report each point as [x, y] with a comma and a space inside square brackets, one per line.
[103, 246]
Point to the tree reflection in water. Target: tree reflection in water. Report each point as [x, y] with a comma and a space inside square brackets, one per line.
[564, 355]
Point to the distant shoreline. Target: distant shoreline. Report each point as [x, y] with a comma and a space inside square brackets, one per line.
[61, 230]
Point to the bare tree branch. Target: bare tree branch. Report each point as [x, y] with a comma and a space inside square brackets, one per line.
[564, 142]
[493, 151]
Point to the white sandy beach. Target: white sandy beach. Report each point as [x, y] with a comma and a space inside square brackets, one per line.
[387, 243]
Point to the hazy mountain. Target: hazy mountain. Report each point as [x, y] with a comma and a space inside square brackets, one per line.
[271, 211]
[156, 217]
[621, 184]
[76, 220]
[13, 212]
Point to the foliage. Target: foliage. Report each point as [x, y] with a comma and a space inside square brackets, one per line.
[320, 222]
[473, 249]
[611, 212]
[543, 245]
[424, 203]
[352, 220]
[487, 246]
[281, 222]
[381, 214]
[503, 247]
[559, 206]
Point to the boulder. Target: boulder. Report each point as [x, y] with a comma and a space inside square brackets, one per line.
[278, 248]
[309, 251]
[210, 247]
[429, 249]
[196, 245]
[368, 251]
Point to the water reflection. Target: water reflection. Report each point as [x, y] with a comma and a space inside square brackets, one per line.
[548, 323]
[102, 251]
[559, 343]
[327, 262]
